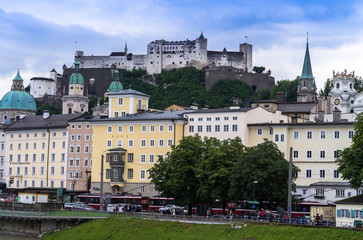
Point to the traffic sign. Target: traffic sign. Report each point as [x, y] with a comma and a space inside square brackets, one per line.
[254, 202]
[290, 208]
[253, 206]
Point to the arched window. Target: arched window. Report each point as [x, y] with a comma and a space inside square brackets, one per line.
[69, 110]
[338, 85]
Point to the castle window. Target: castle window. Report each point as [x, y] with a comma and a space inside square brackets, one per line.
[338, 85]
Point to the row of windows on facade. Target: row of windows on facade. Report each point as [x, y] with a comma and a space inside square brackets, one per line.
[44, 134]
[44, 146]
[79, 126]
[338, 192]
[77, 149]
[217, 128]
[79, 137]
[143, 128]
[200, 119]
[71, 174]
[321, 174]
[130, 158]
[309, 134]
[309, 154]
[114, 173]
[142, 143]
[72, 162]
[350, 213]
[34, 157]
[33, 184]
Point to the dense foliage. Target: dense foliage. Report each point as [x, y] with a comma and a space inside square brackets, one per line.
[327, 87]
[203, 170]
[350, 160]
[186, 86]
[288, 87]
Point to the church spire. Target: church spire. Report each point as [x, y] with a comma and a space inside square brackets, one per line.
[306, 71]
[17, 83]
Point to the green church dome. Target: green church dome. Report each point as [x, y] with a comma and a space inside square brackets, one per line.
[116, 85]
[18, 100]
[76, 77]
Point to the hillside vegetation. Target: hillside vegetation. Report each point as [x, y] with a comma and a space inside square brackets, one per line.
[128, 228]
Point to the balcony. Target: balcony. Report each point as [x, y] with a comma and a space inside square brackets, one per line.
[118, 180]
[117, 163]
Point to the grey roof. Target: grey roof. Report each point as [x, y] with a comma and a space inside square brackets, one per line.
[300, 124]
[147, 115]
[330, 184]
[296, 107]
[352, 200]
[220, 110]
[38, 122]
[129, 91]
[42, 78]
[118, 54]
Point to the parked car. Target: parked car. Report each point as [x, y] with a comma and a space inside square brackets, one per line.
[167, 209]
[119, 207]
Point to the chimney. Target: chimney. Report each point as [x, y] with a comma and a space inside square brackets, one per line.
[45, 114]
[280, 97]
[337, 115]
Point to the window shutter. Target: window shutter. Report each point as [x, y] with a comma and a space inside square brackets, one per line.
[361, 213]
[339, 213]
[352, 213]
[348, 213]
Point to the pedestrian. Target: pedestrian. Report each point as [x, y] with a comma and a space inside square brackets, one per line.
[208, 213]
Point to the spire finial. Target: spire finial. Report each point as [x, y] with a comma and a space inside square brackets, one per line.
[18, 67]
[307, 37]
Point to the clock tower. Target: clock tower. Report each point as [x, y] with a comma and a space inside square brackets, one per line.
[342, 91]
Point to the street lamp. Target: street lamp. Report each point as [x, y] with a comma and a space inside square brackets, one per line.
[254, 183]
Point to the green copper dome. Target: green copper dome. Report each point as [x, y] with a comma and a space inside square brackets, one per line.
[18, 100]
[76, 77]
[116, 85]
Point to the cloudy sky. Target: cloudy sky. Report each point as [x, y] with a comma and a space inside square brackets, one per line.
[39, 35]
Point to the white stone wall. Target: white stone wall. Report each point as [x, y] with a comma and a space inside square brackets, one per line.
[39, 87]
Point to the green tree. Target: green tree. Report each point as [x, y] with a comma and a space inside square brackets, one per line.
[265, 164]
[288, 87]
[263, 94]
[27, 88]
[258, 69]
[216, 167]
[327, 87]
[358, 84]
[350, 160]
[176, 174]
[42, 107]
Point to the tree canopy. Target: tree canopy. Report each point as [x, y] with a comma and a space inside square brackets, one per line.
[258, 69]
[203, 170]
[288, 87]
[350, 160]
[327, 87]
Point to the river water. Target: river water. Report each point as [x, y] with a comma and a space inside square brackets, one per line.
[12, 237]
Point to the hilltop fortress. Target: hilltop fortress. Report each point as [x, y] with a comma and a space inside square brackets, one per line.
[168, 55]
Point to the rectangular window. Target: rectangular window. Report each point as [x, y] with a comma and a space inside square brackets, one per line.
[41, 170]
[52, 170]
[115, 114]
[191, 129]
[170, 142]
[10, 171]
[336, 154]
[226, 118]
[335, 174]
[86, 149]
[235, 128]
[322, 173]
[108, 173]
[62, 170]
[130, 157]
[109, 143]
[52, 184]
[142, 158]
[34, 145]
[296, 154]
[53, 157]
[33, 183]
[120, 101]
[77, 162]
[161, 142]
[151, 158]
[25, 183]
[336, 134]
[79, 137]
[309, 134]
[226, 128]
[143, 143]
[26, 146]
[33, 170]
[63, 157]
[340, 193]
[85, 162]
[216, 128]
[131, 129]
[151, 189]
[350, 134]
[200, 128]
[217, 118]
[200, 119]
[10, 158]
[282, 137]
[73, 137]
[209, 119]
[259, 131]
[119, 129]
[152, 143]
[63, 144]
[161, 128]
[322, 154]
[142, 189]
[277, 137]
[109, 129]
[53, 145]
[79, 126]
[119, 143]
[170, 128]
[18, 170]
[34, 157]
[131, 143]
[71, 162]
[296, 134]
[142, 174]
[19, 158]
[309, 154]
[19, 146]
[43, 145]
[143, 128]
[319, 192]
[11, 146]
[130, 173]
[25, 170]
[191, 119]
[308, 173]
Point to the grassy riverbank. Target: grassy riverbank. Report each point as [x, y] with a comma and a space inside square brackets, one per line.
[131, 228]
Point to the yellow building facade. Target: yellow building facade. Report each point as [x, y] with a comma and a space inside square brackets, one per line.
[131, 142]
